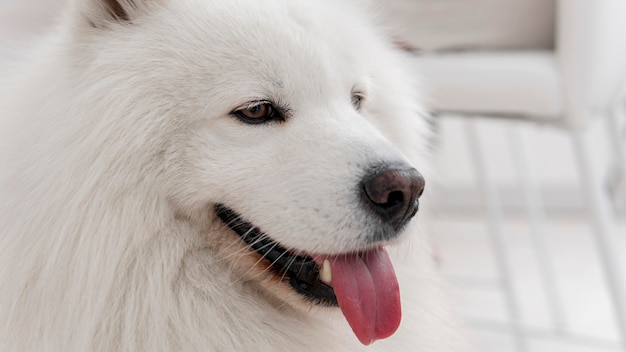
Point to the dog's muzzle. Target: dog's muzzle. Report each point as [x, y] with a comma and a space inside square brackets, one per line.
[389, 193]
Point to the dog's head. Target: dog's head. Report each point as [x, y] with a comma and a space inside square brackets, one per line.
[289, 122]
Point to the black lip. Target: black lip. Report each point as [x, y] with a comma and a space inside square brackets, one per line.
[301, 272]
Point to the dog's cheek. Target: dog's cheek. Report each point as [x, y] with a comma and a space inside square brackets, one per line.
[202, 167]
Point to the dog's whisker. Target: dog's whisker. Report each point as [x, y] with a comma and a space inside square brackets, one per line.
[251, 245]
[242, 276]
[288, 266]
[311, 306]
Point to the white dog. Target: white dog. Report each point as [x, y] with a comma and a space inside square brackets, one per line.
[215, 175]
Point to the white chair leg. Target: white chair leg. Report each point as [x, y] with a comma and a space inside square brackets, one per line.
[618, 186]
[498, 237]
[618, 110]
[537, 220]
[604, 227]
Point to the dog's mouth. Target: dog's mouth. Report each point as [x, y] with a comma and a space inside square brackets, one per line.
[363, 284]
[301, 272]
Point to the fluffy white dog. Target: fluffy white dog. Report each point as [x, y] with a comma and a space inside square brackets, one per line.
[204, 175]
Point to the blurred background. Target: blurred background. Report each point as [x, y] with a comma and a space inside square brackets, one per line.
[530, 167]
[529, 184]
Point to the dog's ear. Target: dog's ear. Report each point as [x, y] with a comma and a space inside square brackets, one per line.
[101, 13]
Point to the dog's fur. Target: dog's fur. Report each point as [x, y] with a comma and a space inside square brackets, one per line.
[117, 140]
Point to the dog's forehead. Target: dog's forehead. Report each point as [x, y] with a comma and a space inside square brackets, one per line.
[286, 44]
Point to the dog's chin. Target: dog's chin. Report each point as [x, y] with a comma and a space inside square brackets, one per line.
[290, 274]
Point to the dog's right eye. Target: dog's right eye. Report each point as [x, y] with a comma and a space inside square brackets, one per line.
[257, 112]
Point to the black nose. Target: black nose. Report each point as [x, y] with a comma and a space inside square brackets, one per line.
[392, 193]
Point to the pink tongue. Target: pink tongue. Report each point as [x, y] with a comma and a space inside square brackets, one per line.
[367, 292]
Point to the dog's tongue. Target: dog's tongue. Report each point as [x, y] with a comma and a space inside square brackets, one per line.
[367, 291]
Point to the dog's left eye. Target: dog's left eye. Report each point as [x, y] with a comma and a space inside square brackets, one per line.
[257, 112]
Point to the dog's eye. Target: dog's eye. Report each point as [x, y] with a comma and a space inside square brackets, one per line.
[357, 100]
[257, 112]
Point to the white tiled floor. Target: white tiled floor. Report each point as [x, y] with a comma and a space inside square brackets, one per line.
[468, 260]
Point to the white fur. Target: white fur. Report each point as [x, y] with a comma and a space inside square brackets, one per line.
[116, 141]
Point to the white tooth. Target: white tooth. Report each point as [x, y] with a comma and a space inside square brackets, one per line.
[325, 274]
